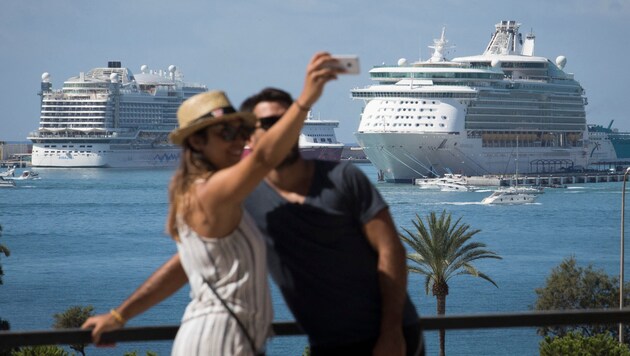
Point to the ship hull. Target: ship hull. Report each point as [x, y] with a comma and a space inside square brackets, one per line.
[322, 153]
[104, 156]
[403, 157]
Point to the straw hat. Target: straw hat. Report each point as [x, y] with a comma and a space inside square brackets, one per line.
[205, 109]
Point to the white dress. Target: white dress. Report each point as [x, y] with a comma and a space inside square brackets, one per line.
[236, 265]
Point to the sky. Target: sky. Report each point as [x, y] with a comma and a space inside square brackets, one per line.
[242, 46]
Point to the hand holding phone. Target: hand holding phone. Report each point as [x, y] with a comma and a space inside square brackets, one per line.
[348, 63]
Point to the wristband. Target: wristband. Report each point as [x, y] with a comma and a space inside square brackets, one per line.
[119, 318]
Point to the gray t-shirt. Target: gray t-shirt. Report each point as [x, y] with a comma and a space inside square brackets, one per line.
[319, 256]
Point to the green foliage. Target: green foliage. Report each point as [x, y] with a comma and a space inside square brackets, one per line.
[4, 325]
[571, 287]
[307, 351]
[135, 353]
[73, 317]
[40, 351]
[576, 344]
[442, 249]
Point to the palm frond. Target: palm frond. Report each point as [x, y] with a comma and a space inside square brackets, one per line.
[443, 248]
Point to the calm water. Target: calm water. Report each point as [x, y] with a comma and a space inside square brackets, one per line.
[91, 236]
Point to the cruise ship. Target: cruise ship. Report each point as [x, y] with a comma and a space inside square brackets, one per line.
[109, 117]
[318, 139]
[476, 115]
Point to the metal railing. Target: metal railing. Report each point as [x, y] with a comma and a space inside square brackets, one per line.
[9, 339]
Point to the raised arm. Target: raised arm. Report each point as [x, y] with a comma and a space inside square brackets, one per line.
[392, 276]
[165, 281]
[230, 186]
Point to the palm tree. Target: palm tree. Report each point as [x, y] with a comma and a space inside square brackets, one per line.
[441, 252]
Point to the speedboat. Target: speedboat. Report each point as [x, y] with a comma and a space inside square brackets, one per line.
[10, 172]
[448, 183]
[26, 175]
[513, 195]
[6, 183]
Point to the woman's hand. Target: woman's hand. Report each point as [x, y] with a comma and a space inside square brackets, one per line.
[100, 324]
[320, 70]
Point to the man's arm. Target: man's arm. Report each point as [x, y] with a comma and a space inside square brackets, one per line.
[165, 281]
[392, 274]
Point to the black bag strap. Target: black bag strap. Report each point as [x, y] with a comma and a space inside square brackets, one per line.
[238, 321]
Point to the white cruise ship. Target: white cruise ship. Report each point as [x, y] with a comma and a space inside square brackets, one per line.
[318, 139]
[469, 114]
[109, 117]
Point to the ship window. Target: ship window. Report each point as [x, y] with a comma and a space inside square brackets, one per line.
[329, 140]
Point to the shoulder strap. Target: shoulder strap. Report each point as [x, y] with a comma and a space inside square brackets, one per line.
[238, 321]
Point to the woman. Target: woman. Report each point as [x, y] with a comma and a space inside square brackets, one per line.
[220, 251]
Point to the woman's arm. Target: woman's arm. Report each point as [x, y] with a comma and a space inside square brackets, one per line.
[165, 281]
[226, 189]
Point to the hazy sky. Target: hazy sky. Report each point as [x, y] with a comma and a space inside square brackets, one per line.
[242, 46]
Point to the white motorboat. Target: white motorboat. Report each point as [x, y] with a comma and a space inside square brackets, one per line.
[10, 172]
[512, 195]
[448, 183]
[453, 187]
[25, 175]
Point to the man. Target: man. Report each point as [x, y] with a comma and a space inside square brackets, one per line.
[333, 250]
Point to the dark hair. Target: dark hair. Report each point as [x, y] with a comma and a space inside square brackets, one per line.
[267, 94]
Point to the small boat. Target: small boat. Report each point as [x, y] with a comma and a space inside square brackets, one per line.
[448, 183]
[512, 195]
[515, 194]
[26, 175]
[453, 187]
[10, 172]
[6, 183]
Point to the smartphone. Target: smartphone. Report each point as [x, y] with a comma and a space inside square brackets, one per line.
[349, 63]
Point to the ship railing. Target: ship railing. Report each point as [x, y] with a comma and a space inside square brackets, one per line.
[83, 135]
[12, 339]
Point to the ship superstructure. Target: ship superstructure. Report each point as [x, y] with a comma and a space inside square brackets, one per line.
[318, 139]
[109, 117]
[468, 115]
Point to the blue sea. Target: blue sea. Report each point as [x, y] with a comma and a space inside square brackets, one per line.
[91, 236]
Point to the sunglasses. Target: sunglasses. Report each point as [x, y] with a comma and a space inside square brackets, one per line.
[229, 132]
[265, 123]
